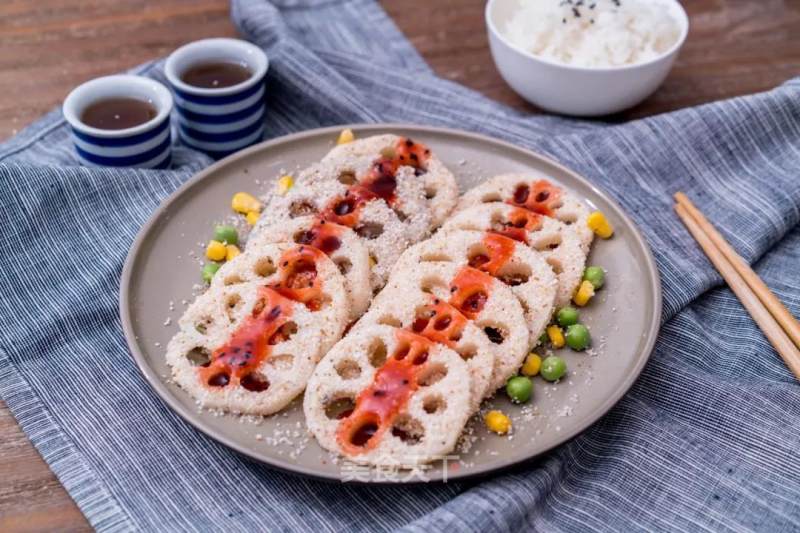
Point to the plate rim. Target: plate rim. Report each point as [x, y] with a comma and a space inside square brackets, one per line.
[165, 395]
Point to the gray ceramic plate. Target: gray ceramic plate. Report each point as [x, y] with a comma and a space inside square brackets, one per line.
[160, 273]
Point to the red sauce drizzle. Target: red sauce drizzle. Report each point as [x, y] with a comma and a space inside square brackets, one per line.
[377, 406]
[298, 276]
[469, 291]
[268, 324]
[519, 223]
[499, 250]
[440, 322]
[379, 182]
[324, 236]
[249, 345]
[540, 197]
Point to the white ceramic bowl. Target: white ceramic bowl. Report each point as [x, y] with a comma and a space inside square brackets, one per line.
[147, 145]
[571, 90]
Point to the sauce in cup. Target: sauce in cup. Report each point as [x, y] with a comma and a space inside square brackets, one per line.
[118, 113]
[216, 75]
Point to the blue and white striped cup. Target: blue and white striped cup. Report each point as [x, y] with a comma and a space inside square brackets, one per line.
[219, 121]
[147, 145]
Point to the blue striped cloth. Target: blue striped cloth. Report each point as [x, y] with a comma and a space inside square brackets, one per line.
[707, 439]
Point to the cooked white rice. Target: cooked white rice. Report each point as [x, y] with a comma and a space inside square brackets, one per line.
[594, 33]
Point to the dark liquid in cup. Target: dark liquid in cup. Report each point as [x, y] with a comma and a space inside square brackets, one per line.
[216, 75]
[118, 113]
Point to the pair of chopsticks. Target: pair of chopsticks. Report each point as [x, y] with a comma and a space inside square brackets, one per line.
[776, 322]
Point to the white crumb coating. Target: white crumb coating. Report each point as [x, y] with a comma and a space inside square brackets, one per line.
[399, 304]
[351, 257]
[502, 312]
[572, 210]
[260, 264]
[558, 243]
[440, 186]
[437, 431]
[385, 233]
[529, 276]
[286, 369]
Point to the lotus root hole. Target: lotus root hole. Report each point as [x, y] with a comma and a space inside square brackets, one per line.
[344, 265]
[567, 218]
[340, 408]
[281, 361]
[467, 352]
[515, 275]
[255, 382]
[408, 429]
[495, 334]
[199, 356]
[556, 265]
[369, 230]
[434, 403]
[284, 333]
[233, 279]
[431, 374]
[264, 267]
[203, 325]
[347, 177]
[299, 209]
[377, 353]
[402, 351]
[220, 379]
[348, 369]
[434, 257]
[364, 432]
[388, 320]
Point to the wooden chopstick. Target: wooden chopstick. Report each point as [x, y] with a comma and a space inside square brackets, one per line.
[767, 297]
[771, 329]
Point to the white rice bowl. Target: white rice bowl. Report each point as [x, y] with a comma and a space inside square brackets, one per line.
[593, 33]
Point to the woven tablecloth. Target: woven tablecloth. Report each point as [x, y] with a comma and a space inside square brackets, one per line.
[707, 438]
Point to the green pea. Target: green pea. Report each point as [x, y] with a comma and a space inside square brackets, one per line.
[595, 275]
[578, 337]
[567, 316]
[209, 269]
[226, 234]
[519, 389]
[553, 368]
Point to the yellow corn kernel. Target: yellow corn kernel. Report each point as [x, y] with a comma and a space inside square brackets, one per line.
[584, 293]
[231, 251]
[599, 224]
[346, 137]
[284, 184]
[216, 251]
[532, 365]
[498, 422]
[252, 217]
[556, 336]
[243, 202]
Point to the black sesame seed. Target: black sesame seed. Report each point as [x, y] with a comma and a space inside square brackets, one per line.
[576, 12]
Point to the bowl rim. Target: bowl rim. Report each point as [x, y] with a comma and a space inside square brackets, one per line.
[175, 61]
[70, 106]
[683, 21]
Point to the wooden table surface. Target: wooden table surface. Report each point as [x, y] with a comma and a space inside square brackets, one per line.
[47, 47]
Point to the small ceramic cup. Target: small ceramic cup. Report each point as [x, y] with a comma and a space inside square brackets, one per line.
[219, 121]
[147, 145]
